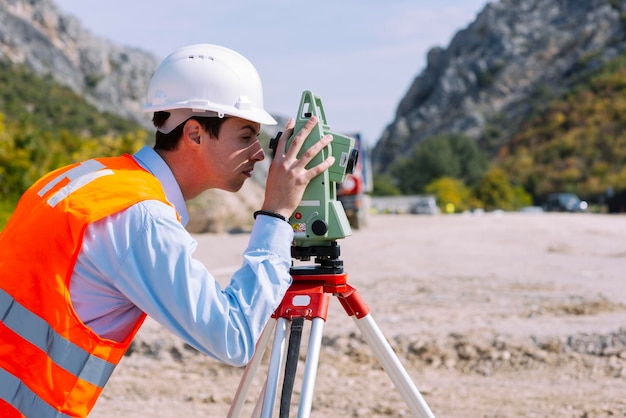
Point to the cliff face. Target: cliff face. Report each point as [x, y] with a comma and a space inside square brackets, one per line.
[112, 77]
[507, 64]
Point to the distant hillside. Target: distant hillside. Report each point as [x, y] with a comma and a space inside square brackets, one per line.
[44, 125]
[578, 143]
[505, 69]
[44, 105]
[111, 77]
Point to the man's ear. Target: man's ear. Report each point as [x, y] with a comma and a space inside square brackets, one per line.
[195, 137]
[192, 131]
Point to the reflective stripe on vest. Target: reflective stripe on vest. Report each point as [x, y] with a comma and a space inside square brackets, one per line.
[51, 364]
[61, 351]
[11, 388]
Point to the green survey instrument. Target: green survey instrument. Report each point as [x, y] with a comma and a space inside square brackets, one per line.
[319, 220]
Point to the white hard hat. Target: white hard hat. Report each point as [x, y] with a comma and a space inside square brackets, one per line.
[207, 80]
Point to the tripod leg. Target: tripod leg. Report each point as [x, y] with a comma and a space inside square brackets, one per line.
[275, 367]
[251, 369]
[256, 413]
[310, 367]
[392, 365]
[291, 366]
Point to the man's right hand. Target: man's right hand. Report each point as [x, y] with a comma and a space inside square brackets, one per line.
[288, 176]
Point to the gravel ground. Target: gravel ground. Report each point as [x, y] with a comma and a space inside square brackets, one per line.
[498, 315]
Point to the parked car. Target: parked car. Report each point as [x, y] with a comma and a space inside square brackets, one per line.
[425, 205]
[564, 202]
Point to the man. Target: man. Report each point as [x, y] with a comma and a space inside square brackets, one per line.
[94, 247]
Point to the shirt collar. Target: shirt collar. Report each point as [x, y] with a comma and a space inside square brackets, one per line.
[151, 161]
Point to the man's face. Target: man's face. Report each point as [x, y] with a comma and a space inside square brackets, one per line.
[231, 157]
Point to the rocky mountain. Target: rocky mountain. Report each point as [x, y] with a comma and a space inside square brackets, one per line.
[112, 77]
[506, 66]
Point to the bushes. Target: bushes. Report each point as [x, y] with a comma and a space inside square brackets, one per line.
[452, 194]
[578, 143]
[495, 191]
[26, 155]
[453, 168]
[454, 156]
[44, 126]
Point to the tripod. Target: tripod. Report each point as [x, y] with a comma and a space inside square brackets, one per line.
[307, 299]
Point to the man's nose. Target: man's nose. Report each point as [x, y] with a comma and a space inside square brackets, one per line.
[258, 154]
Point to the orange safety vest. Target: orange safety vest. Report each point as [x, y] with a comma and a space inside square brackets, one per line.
[51, 363]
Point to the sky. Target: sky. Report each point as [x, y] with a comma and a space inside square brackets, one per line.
[358, 57]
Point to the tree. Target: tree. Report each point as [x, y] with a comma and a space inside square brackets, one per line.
[27, 153]
[383, 186]
[496, 192]
[454, 156]
[451, 194]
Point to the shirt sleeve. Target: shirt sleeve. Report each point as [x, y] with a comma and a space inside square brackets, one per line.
[156, 271]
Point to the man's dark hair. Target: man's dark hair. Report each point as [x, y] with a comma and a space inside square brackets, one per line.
[168, 142]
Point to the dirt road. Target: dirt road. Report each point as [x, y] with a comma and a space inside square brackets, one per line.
[499, 315]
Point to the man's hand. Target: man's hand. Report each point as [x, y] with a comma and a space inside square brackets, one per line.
[288, 177]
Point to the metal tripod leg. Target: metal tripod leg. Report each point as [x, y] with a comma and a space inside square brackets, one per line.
[310, 367]
[265, 404]
[355, 307]
[275, 368]
[393, 367]
[251, 369]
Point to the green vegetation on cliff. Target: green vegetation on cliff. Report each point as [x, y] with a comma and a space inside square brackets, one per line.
[577, 144]
[44, 126]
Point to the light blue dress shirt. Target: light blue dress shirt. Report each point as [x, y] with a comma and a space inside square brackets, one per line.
[142, 260]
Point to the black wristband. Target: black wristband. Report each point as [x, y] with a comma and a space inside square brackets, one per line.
[272, 214]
